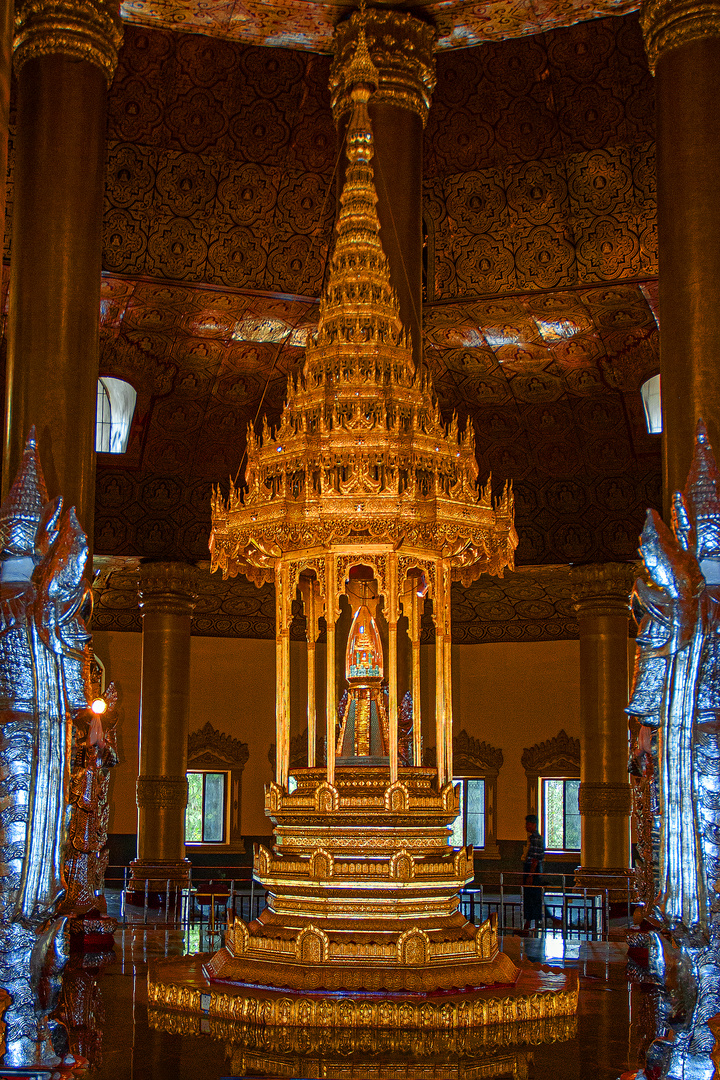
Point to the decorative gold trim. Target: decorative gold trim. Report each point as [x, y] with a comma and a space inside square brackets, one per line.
[470, 755]
[605, 799]
[89, 30]
[617, 881]
[208, 746]
[602, 588]
[479, 1052]
[401, 48]
[276, 1009]
[161, 791]
[667, 24]
[561, 753]
[155, 874]
[167, 588]
[362, 464]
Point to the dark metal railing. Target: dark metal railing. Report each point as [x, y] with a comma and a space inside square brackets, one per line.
[209, 902]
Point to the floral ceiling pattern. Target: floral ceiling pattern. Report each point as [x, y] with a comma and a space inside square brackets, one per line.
[541, 286]
[309, 24]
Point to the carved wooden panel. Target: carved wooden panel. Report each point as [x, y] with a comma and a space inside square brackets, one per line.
[559, 756]
[213, 750]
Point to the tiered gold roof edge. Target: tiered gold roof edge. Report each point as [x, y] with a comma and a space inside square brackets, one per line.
[361, 449]
[362, 884]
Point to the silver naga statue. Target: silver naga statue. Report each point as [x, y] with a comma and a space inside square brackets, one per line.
[44, 659]
[676, 700]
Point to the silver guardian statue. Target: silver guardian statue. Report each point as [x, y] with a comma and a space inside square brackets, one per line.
[676, 699]
[44, 657]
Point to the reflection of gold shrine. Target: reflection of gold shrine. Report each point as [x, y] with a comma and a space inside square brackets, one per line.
[362, 484]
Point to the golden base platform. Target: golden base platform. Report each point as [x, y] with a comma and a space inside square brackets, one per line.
[181, 984]
[362, 892]
[362, 927]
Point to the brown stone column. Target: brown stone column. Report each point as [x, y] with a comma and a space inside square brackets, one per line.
[6, 36]
[65, 54]
[601, 594]
[401, 47]
[167, 599]
[683, 47]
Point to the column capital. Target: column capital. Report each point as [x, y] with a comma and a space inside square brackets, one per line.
[667, 24]
[168, 588]
[88, 30]
[602, 588]
[401, 48]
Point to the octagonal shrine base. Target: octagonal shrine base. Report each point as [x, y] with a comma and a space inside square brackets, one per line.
[362, 927]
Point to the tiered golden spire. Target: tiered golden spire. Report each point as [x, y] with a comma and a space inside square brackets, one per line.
[361, 448]
[359, 303]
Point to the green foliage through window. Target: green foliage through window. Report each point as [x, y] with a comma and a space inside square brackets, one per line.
[205, 813]
[561, 814]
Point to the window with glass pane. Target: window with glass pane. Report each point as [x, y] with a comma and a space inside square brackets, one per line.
[457, 830]
[475, 813]
[205, 813]
[561, 814]
[469, 825]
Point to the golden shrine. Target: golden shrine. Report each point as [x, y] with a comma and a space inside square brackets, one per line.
[362, 500]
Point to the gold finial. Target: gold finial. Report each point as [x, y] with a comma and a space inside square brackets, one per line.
[361, 68]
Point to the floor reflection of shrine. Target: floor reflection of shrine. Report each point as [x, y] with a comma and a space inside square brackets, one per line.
[140, 1044]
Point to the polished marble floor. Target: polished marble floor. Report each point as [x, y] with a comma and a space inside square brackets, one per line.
[608, 1040]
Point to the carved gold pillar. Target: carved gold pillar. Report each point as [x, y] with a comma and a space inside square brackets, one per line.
[311, 604]
[412, 604]
[601, 594]
[401, 47]
[393, 614]
[683, 46]
[65, 55]
[447, 675]
[167, 598]
[439, 607]
[283, 617]
[331, 615]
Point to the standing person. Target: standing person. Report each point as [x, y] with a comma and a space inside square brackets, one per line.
[533, 856]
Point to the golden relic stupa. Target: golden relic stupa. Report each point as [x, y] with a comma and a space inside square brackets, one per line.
[362, 493]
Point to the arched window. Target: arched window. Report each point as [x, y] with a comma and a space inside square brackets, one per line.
[115, 407]
[652, 401]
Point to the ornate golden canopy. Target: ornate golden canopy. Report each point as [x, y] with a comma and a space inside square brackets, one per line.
[361, 450]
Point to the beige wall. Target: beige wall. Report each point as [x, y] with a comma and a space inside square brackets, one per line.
[513, 695]
[508, 694]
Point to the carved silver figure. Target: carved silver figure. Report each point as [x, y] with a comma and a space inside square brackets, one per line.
[676, 698]
[43, 667]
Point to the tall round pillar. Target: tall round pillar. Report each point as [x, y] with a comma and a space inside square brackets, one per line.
[683, 47]
[601, 594]
[167, 598]
[6, 38]
[401, 47]
[65, 55]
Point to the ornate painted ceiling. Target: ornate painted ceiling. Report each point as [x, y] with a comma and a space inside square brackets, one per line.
[541, 287]
[309, 24]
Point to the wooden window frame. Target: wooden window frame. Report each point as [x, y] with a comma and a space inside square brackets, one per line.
[555, 759]
[210, 750]
[226, 799]
[473, 759]
[541, 815]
